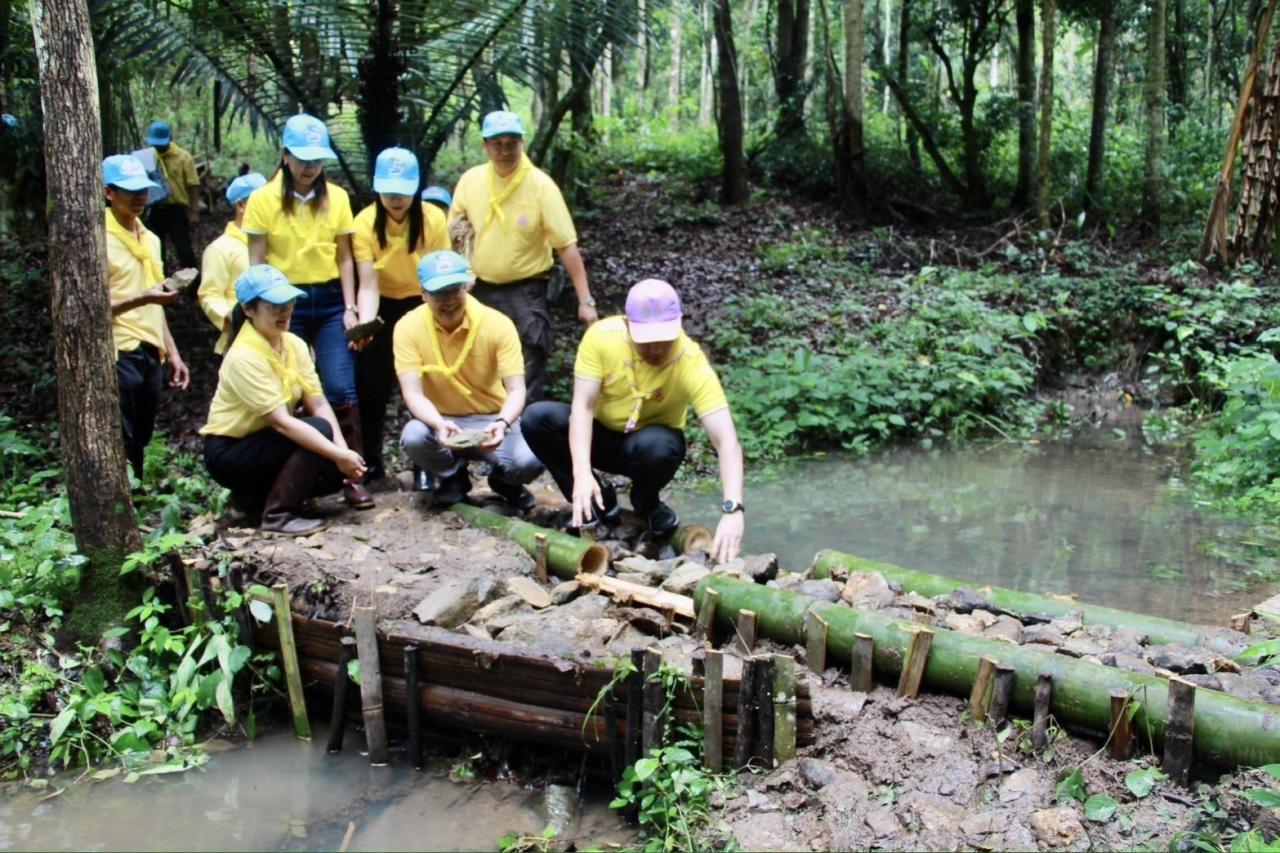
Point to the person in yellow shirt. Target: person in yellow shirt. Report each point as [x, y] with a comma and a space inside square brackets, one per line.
[138, 326]
[461, 373]
[633, 382]
[224, 259]
[255, 445]
[517, 217]
[177, 215]
[301, 224]
[392, 235]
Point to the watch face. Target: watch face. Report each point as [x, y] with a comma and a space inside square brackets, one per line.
[728, 506]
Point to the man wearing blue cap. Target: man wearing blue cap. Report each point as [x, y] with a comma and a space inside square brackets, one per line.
[517, 217]
[224, 259]
[176, 215]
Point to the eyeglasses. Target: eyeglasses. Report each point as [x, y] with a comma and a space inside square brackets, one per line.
[282, 307]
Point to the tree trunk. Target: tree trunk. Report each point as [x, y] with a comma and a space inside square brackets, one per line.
[729, 120]
[904, 70]
[1102, 72]
[674, 84]
[93, 462]
[886, 43]
[1176, 62]
[791, 51]
[606, 82]
[1154, 104]
[1026, 72]
[378, 107]
[1044, 179]
[853, 102]
[1255, 230]
[706, 85]
[744, 79]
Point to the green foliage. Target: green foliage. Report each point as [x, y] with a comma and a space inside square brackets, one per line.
[1141, 782]
[1238, 451]
[513, 842]
[1100, 808]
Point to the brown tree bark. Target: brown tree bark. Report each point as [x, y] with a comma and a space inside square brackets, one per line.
[1044, 176]
[904, 70]
[792, 49]
[733, 184]
[1025, 17]
[852, 151]
[1102, 73]
[1154, 104]
[93, 460]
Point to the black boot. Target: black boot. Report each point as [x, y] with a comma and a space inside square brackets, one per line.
[454, 488]
[423, 481]
[355, 494]
[293, 485]
[517, 496]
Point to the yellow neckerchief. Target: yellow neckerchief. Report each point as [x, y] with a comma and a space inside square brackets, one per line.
[137, 247]
[307, 237]
[638, 394]
[232, 230]
[450, 372]
[285, 368]
[397, 243]
[513, 183]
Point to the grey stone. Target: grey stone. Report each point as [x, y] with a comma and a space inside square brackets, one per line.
[1206, 680]
[764, 831]
[936, 814]
[653, 569]
[638, 578]
[683, 579]
[1005, 628]
[563, 593]
[1043, 634]
[1128, 663]
[530, 590]
[1023, 783]
[998, 768]
[964, 600]
[867, 591]
[1181, 659]
[758, 802]
[984, 618]
[761, 568]
[1078, 647]
[818, 773]
[823, 590]
[1069, 623]
[984, 823]
[1058, 828]
[963, 623]
[497, 607]
[1245, 686]
[452, 604]
[916, 601]
[882, 822]
[559, 807]
[925, 739]
[1128, 637]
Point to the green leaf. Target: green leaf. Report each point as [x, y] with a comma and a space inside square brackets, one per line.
[238, 658]
[1272, 770]
[1265, 649]
[260, 610]
[60, 723]
[1071, 786]
[1141, 782]
[645, 768]
[1265, 797]
[1099, 808]
[226, 704]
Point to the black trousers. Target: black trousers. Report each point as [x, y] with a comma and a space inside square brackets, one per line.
[249, 466]
[170, 220]
[376, 380]
[139, 376]
[525, 302]
[650, 456]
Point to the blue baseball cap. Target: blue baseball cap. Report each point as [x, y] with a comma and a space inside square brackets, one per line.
[126, 172]
[442, 270]
[243, 187]
[158, 133]
[307, 138]
[8, 120]
[502, 123]
[265, 282]
[396, 172]
[440, 195]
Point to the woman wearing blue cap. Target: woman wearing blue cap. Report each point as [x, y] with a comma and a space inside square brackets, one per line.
[302, 225]
[224, 259]
[270, 459]
[392, 235]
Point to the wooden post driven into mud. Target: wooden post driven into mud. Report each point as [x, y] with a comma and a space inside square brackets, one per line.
[765, 719]
[1001, 695]
[1040, 713]
[745, 638]
[705, 627]
[713, 710]
[540, 557]
[655, 700]
[289, 658]
[746, 716]
[862, 664]
[375, 720]
[815, 641]
[341, 689]
[980, 695]
[635, 721]
[413, 708]
[784, 708]
[1180, 733]
[1121, 726]
[914, 661]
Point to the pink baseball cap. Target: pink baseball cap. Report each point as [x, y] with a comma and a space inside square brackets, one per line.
[653, 311]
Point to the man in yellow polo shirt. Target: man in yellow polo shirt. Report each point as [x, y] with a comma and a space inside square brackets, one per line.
[175, 216]
[462, 378]
[518, 216]
[633, 382]
[224, 259]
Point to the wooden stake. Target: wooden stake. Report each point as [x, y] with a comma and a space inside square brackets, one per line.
[914, 661]
[1121, 726]
[1001, 695]
[375, 721]
[863, 663]
[713, 710]
[654, 699]
[1040, 720]
[613, 737]
[635, 722]
[784, 708]
[745, 639]
[746, 734]
[413, 705]
[1242, 622]
[1179, 732]
[341, 689]
[289, 657]
[346, 838]
[815, 635]
[540, 557]
[980, 695]
[707, 615]
[764, 708]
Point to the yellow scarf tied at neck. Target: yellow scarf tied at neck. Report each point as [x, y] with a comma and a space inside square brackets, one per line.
[496, 198]
[450, 372]
[138, 248]
[285, 368]
[638, 394]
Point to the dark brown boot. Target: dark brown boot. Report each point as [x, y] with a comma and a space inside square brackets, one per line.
[293, 485]
[355, 494]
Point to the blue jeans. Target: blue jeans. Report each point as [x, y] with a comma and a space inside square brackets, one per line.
[318, 321]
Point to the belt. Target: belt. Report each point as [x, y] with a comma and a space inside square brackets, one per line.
[540, 278]
[333, 282]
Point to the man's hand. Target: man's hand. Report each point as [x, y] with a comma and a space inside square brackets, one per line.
[728, 539]
[494, 434]
[445, 430]
[351, 466]
[158, 295]
[193, 216]
[587, 314]
[586, 498]
[179, 375]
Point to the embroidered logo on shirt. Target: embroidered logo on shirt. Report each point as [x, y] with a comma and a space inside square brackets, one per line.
[523, 221]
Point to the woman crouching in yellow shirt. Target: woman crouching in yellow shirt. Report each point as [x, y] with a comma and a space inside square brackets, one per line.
[254, 445]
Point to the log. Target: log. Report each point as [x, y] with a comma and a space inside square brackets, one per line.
[914, 662]
[763, 701]
[681, 605]
[1121, 726]
[692, 537]
[861, 669]
[341, 689]
[413, 711]
[706, 617]
[713, 711]
[1001, 695]
[375, 721]
[1233, 732]
[744, 637]
[980, 695]
[567, 556]
[1158, 630]
[742, 747]
[289, 658]
[784, 708]
[1179, 739]
[815, 642]
[1040, 712]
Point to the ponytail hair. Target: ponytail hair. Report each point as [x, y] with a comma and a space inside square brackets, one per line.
[238, 318]
[417, 230]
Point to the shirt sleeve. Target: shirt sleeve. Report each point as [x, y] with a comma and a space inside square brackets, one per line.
[363, 240]
[703, 386]
[589, 363]
[405, 346]
[510, 356]
[437, 229]
[557, 224]
[190, 178]
[343, 220]
[251, 383]
[257, 216]
[214, 287]
[459, 207]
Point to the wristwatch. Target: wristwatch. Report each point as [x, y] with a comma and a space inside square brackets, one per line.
[506, 425]
[354, 309]
[732, 506]
[590, 302]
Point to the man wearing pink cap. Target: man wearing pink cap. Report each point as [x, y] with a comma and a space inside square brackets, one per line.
[633, 382]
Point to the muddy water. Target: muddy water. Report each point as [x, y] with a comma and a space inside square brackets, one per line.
[283, 794]
[1103, 517]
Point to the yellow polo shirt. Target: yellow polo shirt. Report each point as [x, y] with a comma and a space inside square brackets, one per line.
[223, 261]
[179, 169]
[397, 267]
[251, 384]
[127, 276]
[304, 244]
[537, 221]
[606, 356]
[495, 355]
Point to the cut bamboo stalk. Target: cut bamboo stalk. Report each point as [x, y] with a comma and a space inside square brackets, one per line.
[815, 634]
[914, 662]
[689, 538]
[375, 721]
[341, 690]
[744, 638]
[1121, 726]
[713, 711]
[540, 551]
[289, 658]
[660, 599]
[1242, 622]
[763, 665]
[1040, 718]
[784, 708]
[863, 662]
[567, 556]
[707, 616]
[980, 696]
[743, 745]
[1179, 737]
[654, 700]
[1001, 695]
[413, 711]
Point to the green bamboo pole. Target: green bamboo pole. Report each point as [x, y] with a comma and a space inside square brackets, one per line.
[1158, 630]
[566, 555]
[1229, 731]
[289, 659]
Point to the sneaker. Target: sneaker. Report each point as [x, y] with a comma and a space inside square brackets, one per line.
[663, 521]
[516, 495]
[454, 488]
[422, 480]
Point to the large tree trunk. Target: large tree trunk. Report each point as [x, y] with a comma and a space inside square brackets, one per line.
[1026, 73]
[1176, 61]
[729, 119]
[706, 83]
[853, 102]
[379, 104]
[1044, 178]
[791, 50]
[1255, 228]
[1154, 103]
[93, 462]
[1102, 72]
[674, 84]
[904, 70]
